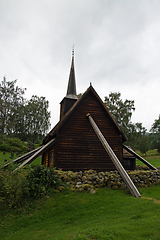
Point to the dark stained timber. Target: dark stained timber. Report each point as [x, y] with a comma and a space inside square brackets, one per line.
[77, 146]
[115, 160]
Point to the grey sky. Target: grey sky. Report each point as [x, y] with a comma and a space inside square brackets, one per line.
[117, 48]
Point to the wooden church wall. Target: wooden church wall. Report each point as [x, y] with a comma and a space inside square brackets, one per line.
[78, 147]
[48, 157]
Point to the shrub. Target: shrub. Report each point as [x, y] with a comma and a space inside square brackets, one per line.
[4, 146]
[42, 181]
[13, 145]
[27, 183]
[12, 188]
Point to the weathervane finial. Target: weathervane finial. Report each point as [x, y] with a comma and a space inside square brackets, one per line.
[73, 50]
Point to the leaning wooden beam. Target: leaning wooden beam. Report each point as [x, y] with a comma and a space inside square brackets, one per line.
[114, 159]
[23, 157]
[140, 158]
[35, 155]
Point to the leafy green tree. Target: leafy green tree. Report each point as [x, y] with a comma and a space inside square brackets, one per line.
[144, 144]
[135, 135]
[27, 120]
[122, 113]
[155, 130]
[11, 97]
[37, 117]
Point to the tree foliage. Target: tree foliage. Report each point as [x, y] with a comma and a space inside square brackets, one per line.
[37, 116]
[25, 119]
[11, 98]
[155, 130]
[156, 126]
[122, 113]
[144, 144]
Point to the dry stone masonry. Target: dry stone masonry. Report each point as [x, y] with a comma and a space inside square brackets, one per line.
[90, 179]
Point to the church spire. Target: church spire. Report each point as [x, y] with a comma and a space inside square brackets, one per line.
[71, 90]
[71, 96]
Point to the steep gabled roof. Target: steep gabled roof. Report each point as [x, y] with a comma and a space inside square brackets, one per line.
[71, 90]
[53, 132]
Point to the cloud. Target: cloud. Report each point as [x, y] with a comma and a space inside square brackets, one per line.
[116, 48]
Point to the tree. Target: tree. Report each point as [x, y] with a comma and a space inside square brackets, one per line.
[122, 113]
[11, 97]
[37, 117]
[19, 117]
[144, 144]
[155, 130]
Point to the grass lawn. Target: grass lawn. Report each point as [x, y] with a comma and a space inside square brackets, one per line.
[107, 214]
[151, 156]
[7, 157]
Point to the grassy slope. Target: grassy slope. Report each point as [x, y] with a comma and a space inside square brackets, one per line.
[8, 155]
[107, 214]
[151, 156]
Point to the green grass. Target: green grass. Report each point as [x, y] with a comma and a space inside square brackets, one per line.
[154, 161]
[107, 214]
[152, 156]
[8, 155]
[152, 152]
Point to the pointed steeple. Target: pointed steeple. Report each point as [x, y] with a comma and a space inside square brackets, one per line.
[71, 96]
[71, 91]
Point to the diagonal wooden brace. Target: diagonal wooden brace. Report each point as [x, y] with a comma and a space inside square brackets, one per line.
[114, 159]
[36, 154]
[140, 158]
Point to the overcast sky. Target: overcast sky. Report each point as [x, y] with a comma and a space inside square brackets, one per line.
[117, 48]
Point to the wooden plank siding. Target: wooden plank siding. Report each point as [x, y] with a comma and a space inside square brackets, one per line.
[78, 146]
[48, 157]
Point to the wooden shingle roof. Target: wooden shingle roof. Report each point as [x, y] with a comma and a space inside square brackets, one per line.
[53, 132]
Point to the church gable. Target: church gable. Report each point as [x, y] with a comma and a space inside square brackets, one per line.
[78, 146]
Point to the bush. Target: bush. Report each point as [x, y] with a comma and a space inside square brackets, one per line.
[4, 146]
[13, 145]
[12, 188]
[41, 181]
[28, 183]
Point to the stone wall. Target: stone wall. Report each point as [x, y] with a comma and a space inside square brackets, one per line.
[87, 180]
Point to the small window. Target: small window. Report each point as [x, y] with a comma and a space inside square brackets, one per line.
[52, 157]
[127, 162]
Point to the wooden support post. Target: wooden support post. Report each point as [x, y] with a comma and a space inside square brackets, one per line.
[140, 158]
[35, 155]
[114, 159]
[24, 157]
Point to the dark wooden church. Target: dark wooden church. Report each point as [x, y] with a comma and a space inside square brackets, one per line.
[86, 137]
[73, 144]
